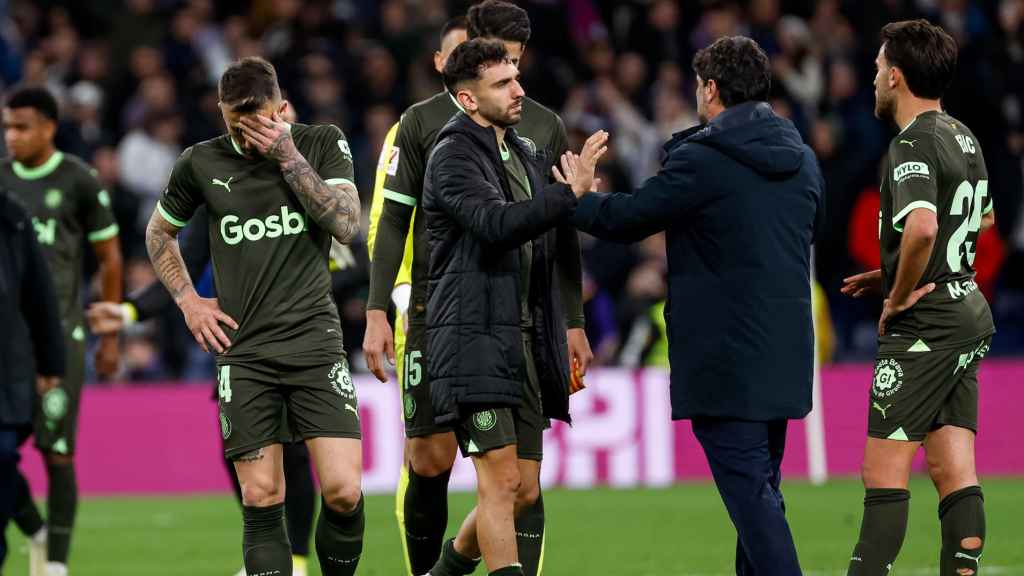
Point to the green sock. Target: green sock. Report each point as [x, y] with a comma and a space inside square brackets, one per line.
[264, 541]
[426, 517]
[530, 537]
[62, 503]
[339, 539]
[962, 514]
[25, 513]
[881, 531]
[513, 570]
[451, 563]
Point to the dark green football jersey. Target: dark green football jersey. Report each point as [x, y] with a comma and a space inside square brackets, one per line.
[270, 261]
[68, 206]
[405, 168]
[935, 163]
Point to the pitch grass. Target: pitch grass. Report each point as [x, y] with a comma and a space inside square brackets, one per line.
[679, 531]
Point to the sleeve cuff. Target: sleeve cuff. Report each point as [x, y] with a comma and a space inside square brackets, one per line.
[103, 233]
[399, 197]
[910, 208]
[167, 216]
[129, 313]
[574, 323]
[991, 206]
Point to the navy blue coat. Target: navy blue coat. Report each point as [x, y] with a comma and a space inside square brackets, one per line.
[739, 200]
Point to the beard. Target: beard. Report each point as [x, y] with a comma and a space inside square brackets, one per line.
[503, 118]
[885, 107]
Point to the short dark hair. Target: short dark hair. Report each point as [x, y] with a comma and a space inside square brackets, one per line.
[36, 97]
[738, 66]
[468, 60]
[456, 23]
[499, 19]
[925, 53]
[248, 84]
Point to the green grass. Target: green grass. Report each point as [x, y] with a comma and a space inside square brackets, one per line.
[678, 531]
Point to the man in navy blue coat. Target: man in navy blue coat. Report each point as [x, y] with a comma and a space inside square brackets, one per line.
[739, 199]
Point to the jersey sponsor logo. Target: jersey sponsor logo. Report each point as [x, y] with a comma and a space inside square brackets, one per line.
[345, 150]
[910, 170]
[888, 378]
[225, 184]
[485, 420]
[46, 231]
[53, 198]
[288, 223]
[960, 288]
[391, 166]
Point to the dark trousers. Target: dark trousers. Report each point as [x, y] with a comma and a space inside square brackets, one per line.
[745, 459]
[8, 481]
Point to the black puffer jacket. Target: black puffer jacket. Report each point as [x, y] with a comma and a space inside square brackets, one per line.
[33, 340]
[474, 335]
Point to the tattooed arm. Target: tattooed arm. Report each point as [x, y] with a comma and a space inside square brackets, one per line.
[202, 315]
[335, 207]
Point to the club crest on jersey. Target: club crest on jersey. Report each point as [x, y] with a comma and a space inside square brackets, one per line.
[410, 407]
[910, 170]
[225, 426]
[53, 198]
[55, 404]
[888, 378]
[341, 381]
[485, 420]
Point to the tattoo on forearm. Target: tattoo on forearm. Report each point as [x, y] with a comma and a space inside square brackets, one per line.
[252, 456]
[333, 207]
[165, 256]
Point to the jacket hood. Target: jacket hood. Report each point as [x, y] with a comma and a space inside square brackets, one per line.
[753, 135]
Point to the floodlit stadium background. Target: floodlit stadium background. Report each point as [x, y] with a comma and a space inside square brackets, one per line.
[137, 82]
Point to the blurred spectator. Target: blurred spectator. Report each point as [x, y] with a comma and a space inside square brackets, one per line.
[146, 156]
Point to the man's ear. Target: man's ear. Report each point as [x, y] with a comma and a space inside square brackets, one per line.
[710, 91]
[467, 100]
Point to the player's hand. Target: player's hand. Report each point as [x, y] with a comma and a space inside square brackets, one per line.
[107, 356]
[863, 284]
[46, 383]
[377, 342]
[271, 137]
[580, 354]
[204, 317]
[105, 318]
[578, 170]
[890, 308]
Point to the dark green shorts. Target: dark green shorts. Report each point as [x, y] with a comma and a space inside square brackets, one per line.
[55, 421]
[416, 408]
[495, 428]
[913, 393]
[320, 402]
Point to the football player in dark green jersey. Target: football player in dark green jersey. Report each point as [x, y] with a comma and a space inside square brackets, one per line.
[68, 207]
[275, 193]
[430, 448]
[936, 325]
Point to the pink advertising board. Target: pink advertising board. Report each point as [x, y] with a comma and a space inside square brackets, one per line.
[164, 439]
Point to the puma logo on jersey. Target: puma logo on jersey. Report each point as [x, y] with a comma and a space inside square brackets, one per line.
[908, 142]
[226, 185]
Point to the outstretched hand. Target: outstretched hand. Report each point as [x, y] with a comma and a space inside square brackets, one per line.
[577, 171]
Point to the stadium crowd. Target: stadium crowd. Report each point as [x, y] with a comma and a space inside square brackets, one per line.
[137, 80]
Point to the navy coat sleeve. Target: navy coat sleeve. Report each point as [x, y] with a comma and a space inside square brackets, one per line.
[667, 196]
[462, 192]
[42, 313]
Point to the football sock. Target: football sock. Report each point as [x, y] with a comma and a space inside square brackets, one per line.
[426, 517]
[451, 563]
[339, 539]
[881, 531]
[264, 541]
[300, 498]
[962, 514]
[513, 570]
[26, 515]
[62, 503]
[530, 537]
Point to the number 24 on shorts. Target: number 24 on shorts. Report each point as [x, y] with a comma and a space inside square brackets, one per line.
[224, 384]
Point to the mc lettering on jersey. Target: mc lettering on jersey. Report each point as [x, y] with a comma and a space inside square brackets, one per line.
[910, 169]
[288, 223]
[46, 231]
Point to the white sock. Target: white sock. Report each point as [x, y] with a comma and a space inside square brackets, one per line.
[39, 537]
[56, 569]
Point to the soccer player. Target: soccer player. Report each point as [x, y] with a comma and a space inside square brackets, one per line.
[68, 207]
[431, 448]
[935, 326]
[275, 194]
[152, 300]
[499, 367]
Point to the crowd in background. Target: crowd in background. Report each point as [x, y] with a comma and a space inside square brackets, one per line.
[137, 81]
